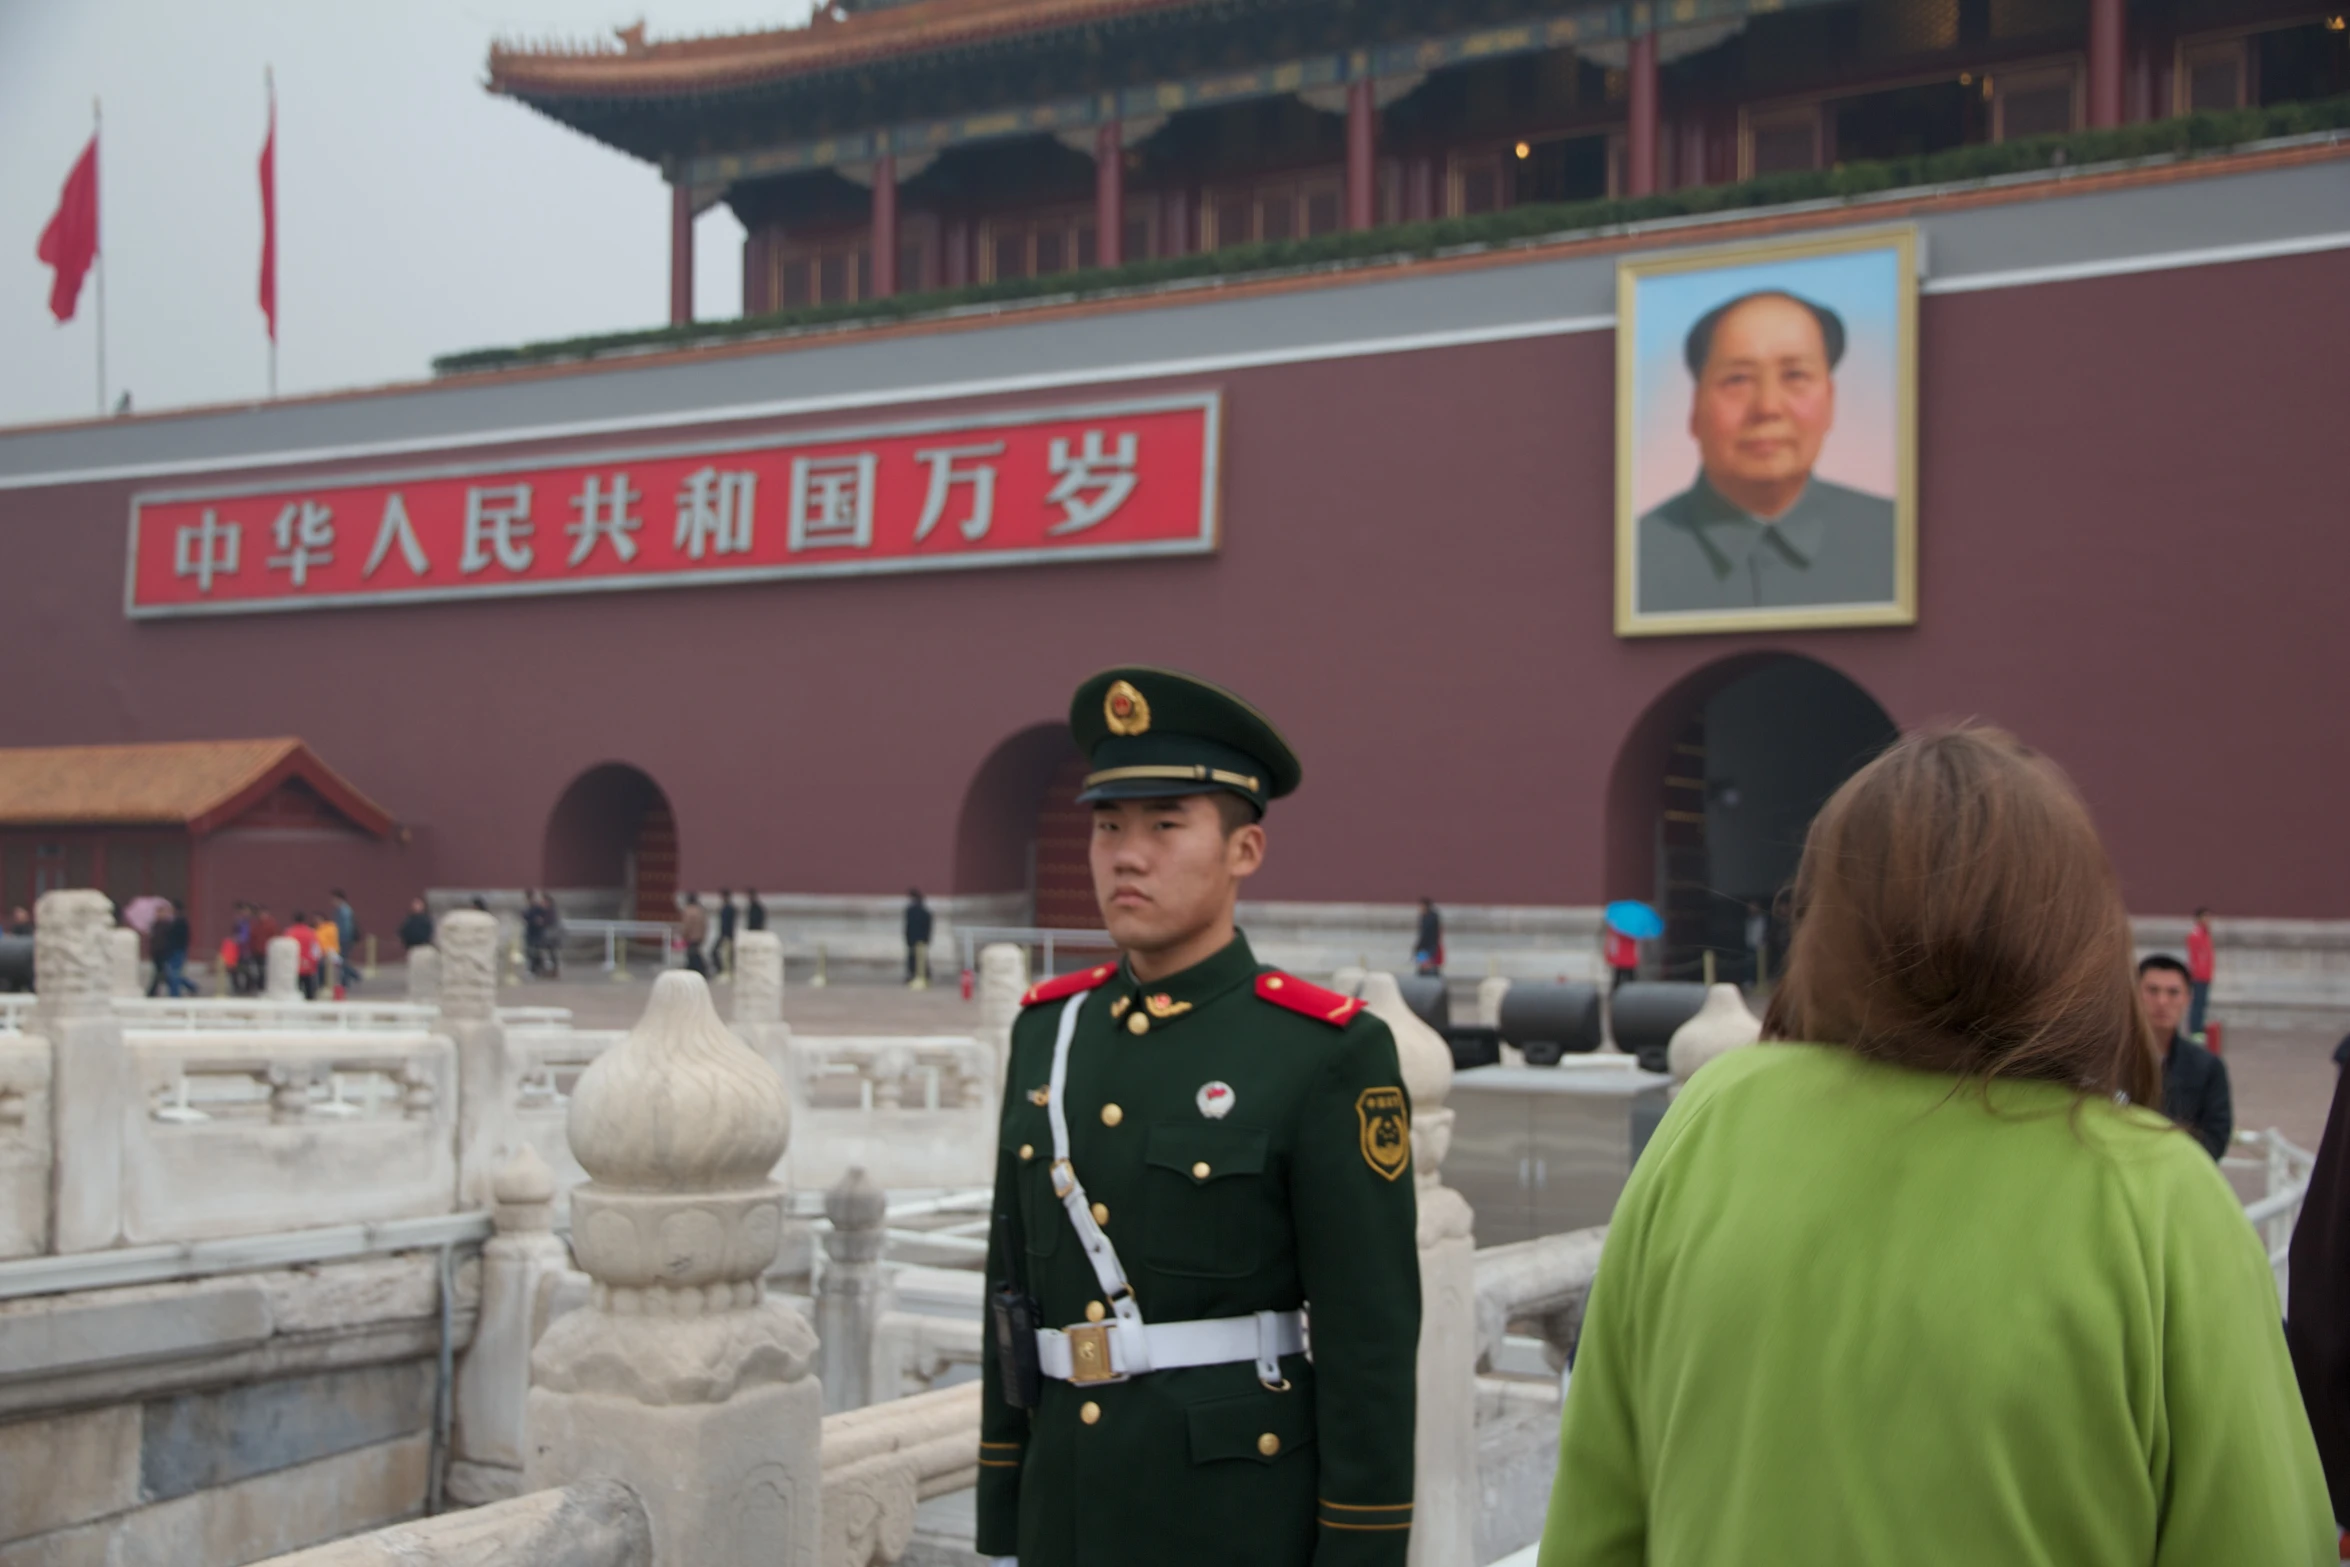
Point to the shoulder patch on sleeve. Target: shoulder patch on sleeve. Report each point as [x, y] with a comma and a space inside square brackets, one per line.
[1323, 1006]
[1067, 985]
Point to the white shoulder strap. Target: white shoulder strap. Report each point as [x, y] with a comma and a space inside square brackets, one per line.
[1135, 1356]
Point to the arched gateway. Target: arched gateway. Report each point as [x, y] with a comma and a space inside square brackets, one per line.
[1022, 830]
[613, 830]
[1715, 788]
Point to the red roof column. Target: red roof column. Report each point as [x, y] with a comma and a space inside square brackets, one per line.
[681, 256]
[1109, 194]
[1362, 135]
[2105, 63]
[885, 225]
[1641, 175]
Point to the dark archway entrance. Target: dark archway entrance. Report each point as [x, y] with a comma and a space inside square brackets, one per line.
[1022, 830]
[1717, 786]
[613, 831]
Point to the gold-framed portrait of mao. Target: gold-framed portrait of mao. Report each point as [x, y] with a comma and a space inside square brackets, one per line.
[1766, 435]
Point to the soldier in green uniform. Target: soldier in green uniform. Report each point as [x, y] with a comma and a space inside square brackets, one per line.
[1199, 1157]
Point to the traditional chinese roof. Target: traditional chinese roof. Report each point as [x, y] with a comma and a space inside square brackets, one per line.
[197, 784]
[634, 68]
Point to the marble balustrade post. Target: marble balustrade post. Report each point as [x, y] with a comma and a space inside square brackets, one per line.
[1444, 1489]
[853, 1292]
[89, 1067]
[493, 1378]
[486, 1073]
[680, 1377]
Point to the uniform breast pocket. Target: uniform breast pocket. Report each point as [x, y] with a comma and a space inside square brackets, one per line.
[1205, 1199]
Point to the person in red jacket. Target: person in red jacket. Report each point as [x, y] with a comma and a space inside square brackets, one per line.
[309, 955]
[2199, 967]
[1623, 957]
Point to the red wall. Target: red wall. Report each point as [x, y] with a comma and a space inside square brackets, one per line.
[2131, 545]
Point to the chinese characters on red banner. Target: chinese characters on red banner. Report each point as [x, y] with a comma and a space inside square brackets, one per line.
[1064, 484]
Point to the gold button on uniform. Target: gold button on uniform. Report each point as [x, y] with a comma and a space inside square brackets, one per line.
[1027, 1150]
[1138, 1024]
[1093, 1311]
[1101, 1213]
[1089, 1411]
[1199, 1171]
[1112, 1115]
[1268, 1444]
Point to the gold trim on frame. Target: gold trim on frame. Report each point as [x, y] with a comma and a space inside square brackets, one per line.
[1902, 611]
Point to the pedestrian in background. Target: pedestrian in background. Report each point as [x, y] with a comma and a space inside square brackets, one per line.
[1985, 1311]
[917, 937]
[260, 931]
[306, 954]
[346, 920]
[416, 929]
[723, 954]
[2201, 962]
[330, 955]
[167, 944]
[1623, 957]
[754, 912]
[1428, 940]
[693, 928]
[550, 934]
[20, 921]
[2194, 1081]
[534, 931]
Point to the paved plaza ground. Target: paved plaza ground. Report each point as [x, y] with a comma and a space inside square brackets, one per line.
[2282, 1077]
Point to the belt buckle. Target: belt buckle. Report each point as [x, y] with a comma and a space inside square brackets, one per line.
[1089, 1354]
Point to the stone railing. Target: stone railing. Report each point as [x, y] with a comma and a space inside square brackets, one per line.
[594, 1523]
[914, 1112]
[881, 1460]
[25, 1157]
[242, 1133]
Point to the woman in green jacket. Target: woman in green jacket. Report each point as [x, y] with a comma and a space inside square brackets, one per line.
[1926, 1289]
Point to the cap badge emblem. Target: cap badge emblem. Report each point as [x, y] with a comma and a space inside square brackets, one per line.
[1125, 710]
[1215, 1100]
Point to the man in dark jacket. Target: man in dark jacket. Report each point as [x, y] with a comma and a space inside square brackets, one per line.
[168, 945]
[722, 955]
[917, 938]
[416, 929]
[1428, 940]
[2194, 1081]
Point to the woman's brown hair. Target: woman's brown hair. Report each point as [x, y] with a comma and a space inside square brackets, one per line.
[1955, 912]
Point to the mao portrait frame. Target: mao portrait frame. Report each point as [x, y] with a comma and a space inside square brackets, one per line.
[1903, 243]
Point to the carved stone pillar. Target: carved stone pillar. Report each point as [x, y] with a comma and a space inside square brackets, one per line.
[1723, 1024]
[853, 1293]
[493, 1380]
[1003, 980]
[122, 959]
[282, 970]
[424, 976]
[73, 975]
[758, 998]
[486, 1077]
[680, 1377]
[1444, 1488]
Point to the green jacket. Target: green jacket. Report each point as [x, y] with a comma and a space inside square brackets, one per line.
[1852, 1313]
[1298, 1192]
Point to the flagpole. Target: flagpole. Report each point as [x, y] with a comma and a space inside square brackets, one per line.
[95, 127]
[269, 87]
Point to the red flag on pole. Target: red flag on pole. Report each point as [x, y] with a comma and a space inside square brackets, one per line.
[70, 242]
[269, 219]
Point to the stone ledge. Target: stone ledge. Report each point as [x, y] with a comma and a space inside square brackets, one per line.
[67, 1469]
[265, 1516]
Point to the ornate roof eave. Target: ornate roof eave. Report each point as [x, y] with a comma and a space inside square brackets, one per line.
[705, 67]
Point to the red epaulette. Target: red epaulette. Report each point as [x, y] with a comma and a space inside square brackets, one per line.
[1067, 985]
[1323, 1006]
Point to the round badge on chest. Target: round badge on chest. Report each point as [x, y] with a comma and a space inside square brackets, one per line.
[1215, 1100]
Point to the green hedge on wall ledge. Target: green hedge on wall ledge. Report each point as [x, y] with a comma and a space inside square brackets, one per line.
[2185, 136]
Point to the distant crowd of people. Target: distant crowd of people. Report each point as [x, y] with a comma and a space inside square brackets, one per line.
[323, 947]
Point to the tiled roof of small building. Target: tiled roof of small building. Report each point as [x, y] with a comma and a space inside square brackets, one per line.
[198, 784]
[687, 66]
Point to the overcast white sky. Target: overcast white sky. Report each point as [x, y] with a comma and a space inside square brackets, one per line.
[416, 213]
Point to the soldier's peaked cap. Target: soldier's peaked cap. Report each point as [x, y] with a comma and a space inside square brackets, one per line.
[1154, 733]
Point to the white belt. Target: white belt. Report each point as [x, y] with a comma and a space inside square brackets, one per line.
[1107, 1351]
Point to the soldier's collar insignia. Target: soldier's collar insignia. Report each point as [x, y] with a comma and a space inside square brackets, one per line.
[1040, 1096]
[1119, 1006]
[1163, 1006]
[1125, 711]
[1215, 1100]
[1386, 1118]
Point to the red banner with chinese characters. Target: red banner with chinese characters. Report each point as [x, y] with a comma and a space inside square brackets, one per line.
[1115, 479]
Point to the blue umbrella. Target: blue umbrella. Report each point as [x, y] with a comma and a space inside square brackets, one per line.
[1635, 919]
